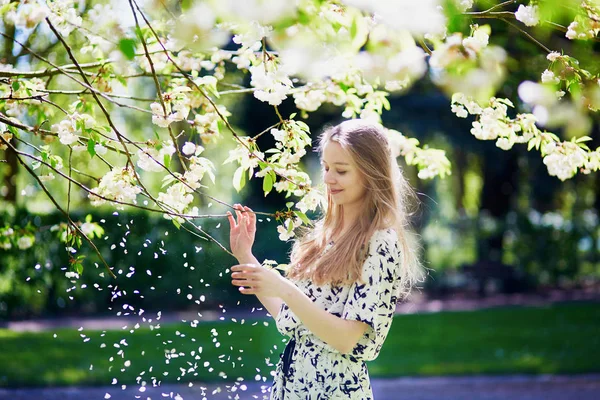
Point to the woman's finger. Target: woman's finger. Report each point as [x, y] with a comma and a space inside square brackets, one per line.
[251, 216]
[237, 208]
[232, 223]
[241, 282]
[245, 267]
[247, 291]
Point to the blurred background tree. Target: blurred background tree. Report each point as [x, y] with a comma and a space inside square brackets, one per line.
[500, 222]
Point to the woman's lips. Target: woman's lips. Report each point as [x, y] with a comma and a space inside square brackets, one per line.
[336, 191]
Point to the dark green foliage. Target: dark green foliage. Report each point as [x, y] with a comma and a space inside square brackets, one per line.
[156, 289]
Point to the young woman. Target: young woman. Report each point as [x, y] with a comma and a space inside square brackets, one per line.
[338, 298]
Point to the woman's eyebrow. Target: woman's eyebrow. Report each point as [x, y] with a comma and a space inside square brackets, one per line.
[340, 163]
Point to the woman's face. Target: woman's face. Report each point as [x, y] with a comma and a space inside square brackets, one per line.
[341, 175]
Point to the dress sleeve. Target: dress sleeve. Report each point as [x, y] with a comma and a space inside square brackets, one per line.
[374, 301]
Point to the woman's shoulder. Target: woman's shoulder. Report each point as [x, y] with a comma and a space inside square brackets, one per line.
[385, 234]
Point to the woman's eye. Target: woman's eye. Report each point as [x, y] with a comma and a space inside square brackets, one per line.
[339, 172]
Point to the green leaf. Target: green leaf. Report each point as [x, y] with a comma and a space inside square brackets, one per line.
[176, 223]
[78, 268]
[16, 85]
[239, 178]
[90, 147]
[353, 29]
[289, 204]
[267, 184]
[303, 217]
[13, 130]
[167, 160]
[88, 218]
[127, 47]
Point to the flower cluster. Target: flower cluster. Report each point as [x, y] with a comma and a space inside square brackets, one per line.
[197, 29]
[246, 154]
[468, 65]
[26, 15]
[271, 83]
[286, 230]
[20, 95]
[529, 15]
[430, 162]
[117, 184]
[151, 158]
[22, 238]
[207, 123]
[562, 158]
[63, 15]
[176, 107]
[587, 22]
[70, 128]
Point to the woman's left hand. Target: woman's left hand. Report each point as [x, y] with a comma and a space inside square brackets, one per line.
[258, 280]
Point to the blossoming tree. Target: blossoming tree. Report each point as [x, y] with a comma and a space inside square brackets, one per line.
[58, 113]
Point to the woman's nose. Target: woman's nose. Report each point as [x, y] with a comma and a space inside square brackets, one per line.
[328, 178]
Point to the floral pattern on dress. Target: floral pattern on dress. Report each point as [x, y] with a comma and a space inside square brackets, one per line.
[319, 371]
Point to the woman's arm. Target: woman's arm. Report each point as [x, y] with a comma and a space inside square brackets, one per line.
[339, 333]
[272, 304]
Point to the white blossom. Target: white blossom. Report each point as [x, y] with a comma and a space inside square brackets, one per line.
[459, 110]
[189, 148]
[464, 5]
[417, 17]
[250, 35]
[176, 197]
[100, 149]
[87, 228]
[549, 77]
[117, 184]
[265, 12]
[478, 40]
[284, 235]
[197, 29]
[529, 15]
[311, 201]
[46, 178]
[199, 166]
[309, 100]
[534, 93]
[25, 242]
[272, 86]
[72, 275]
[553, 56]
[27, 15]
[149, 158]
[278, 134]
[582, 30]
[504, 143]
[64, 16]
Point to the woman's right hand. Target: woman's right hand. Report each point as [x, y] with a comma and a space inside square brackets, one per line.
[242, 232]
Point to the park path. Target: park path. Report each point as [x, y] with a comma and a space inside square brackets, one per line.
[515, 387]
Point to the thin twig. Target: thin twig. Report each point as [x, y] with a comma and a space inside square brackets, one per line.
[73, 224]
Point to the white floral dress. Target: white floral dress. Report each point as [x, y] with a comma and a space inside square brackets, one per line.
[309, 368]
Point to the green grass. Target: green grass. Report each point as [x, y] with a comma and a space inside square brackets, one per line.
[554, 339]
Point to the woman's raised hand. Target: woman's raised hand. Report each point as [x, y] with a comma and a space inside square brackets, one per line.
[242, 231]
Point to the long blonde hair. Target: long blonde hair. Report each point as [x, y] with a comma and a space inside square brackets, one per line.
[385, 206]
